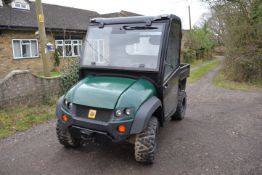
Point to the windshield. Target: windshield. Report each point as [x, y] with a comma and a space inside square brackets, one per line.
[133, 46]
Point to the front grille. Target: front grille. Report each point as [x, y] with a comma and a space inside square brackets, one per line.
[103, 115]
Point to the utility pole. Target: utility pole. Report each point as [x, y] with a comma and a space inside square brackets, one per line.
[189, 15]
[42, 36]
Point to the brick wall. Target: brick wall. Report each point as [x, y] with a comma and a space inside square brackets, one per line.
[7, 63]
[22, 87]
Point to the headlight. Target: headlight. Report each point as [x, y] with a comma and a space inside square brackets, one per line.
[68, 104]
[118, 113]
[128, 111]
[121, 112]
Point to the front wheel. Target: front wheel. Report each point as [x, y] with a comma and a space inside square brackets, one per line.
[181, 106]
[145, 142]
[65, 138]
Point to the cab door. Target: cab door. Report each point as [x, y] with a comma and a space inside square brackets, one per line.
[171, 70]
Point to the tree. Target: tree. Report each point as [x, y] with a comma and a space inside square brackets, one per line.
[201, 37]
[216, 25]
[198, 43]
[239, 23]
[42, 36]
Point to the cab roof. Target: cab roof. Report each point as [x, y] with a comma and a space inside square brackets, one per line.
[134, 19]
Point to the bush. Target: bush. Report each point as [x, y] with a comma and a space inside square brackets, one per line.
[246, 67]
[242, 36]
[189, 55]
[56, 58]
[199, 42]
[70, 73]
[201, 38]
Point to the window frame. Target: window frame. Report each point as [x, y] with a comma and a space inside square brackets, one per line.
[78, 44]
[19, 5]
[30, 48]
[67, 44]
[98, 50]
[167, 64]
[72, 44]
[158, 67]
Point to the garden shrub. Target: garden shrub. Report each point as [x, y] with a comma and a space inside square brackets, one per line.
[70, 73]
[189, 55]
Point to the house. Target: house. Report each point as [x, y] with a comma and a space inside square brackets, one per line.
[65, 29]
[119, 14]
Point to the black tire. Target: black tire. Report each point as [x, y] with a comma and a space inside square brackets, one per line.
[145, 142]
[181, 106]
[64, 136]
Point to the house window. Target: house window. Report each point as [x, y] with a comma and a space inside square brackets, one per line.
[20, 5]
[68, 48]
[23, 48]
[98, 47]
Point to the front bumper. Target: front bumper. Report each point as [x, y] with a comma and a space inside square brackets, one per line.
[93, 129]
[82, 126]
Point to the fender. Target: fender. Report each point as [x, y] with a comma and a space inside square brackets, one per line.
[59, 104]
[144, 114]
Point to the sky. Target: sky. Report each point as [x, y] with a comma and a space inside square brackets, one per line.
[144, 7]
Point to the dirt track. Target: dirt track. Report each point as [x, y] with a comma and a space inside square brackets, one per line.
[221, 134]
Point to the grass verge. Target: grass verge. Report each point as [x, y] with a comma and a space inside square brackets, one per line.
[203, 70]
[221, 81]
[198, 63]
[53, 74]
[22, 118]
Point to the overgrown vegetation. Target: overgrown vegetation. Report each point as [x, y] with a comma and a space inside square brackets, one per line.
[198, 44]
[203, 70]
[197, 63]
[56, 58]
[24, 117]
[201, 37]
[70, 73]
[238, 26]
[221, 81]
[53, 74]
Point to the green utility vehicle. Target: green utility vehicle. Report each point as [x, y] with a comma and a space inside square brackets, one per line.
[131, 81]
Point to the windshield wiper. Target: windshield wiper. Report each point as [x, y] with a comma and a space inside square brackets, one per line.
[139, 27]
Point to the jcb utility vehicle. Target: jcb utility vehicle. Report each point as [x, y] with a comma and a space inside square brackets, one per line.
[131, 81]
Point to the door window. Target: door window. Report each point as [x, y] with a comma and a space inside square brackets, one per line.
[172, 59]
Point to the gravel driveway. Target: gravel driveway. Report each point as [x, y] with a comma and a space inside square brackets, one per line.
[221, 134]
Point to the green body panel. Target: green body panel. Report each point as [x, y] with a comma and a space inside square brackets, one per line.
[111, 93]
[136, 95]
[99, 91]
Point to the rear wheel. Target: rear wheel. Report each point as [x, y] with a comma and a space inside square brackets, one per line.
[181, 106]
[145, 142]
[64, 136]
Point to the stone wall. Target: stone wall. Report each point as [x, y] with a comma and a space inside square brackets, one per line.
[7, 61]
[22, 88]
